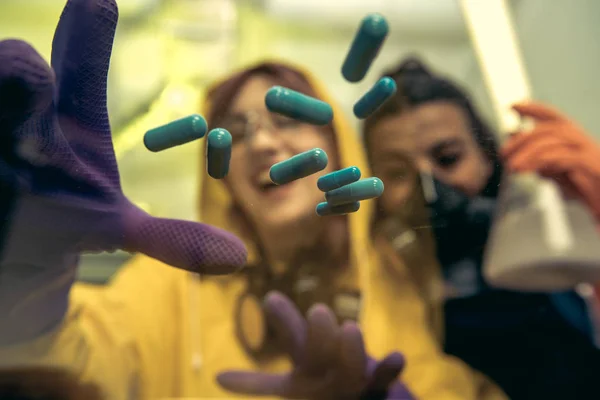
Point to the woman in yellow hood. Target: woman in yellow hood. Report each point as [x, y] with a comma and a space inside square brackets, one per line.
[290, 247]
[157, 331]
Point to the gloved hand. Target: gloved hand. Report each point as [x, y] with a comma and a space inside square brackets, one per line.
[559, 149]
[329, 361]
[60, 191]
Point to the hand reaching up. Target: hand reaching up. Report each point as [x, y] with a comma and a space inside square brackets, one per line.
[329, 362]
[60, 192]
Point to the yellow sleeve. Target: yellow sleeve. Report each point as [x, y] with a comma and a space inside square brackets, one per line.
[116, 337]
[395, 319]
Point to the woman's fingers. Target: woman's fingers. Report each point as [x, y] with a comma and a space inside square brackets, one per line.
[191, 246]
[529, 155]
[383, 376]
[528, 140]
[27, 86]
[322, 343]
[538, 111]
[352, 369]
[253, 383]
[288, 324]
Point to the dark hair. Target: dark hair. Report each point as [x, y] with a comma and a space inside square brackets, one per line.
[41, 383]
[223, 94]
[418, 85]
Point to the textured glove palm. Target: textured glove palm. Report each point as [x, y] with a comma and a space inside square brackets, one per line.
[60, 191]
[329, 362]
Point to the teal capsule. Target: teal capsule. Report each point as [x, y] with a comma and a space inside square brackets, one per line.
[325, 209]
[175, 133]
[298, 106]
[218, 153]
[298, 166]
[364, 189]
[375, 97]
[366, 45]
[337, 179]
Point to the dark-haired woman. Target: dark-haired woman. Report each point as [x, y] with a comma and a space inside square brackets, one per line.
[431, 139]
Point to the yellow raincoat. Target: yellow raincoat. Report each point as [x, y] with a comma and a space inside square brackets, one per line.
[156, 332]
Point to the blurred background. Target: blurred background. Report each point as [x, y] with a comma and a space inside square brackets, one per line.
[167, 51]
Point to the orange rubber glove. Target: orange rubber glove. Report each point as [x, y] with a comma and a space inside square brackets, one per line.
[557, 148]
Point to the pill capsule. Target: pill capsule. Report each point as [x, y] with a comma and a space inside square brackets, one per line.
[299, 166]
[325, 209]
[218, 153]
[364, 189]
[298, 106]
[375, 97]
[337, 179]
[365, 47]
[175, 133]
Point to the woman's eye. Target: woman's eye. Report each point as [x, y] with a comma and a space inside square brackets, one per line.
[237, 129]
[447, 160]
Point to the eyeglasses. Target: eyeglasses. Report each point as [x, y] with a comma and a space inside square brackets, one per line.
[243, 126]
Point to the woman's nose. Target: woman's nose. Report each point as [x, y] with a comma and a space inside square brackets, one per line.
[264, 141]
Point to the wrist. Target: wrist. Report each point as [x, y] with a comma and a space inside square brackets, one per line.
[34, 298]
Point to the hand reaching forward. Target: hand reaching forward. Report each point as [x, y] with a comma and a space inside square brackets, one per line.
[60, 182]
[329, 362]
[60, 192]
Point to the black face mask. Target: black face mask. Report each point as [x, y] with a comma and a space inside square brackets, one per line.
[460, 224]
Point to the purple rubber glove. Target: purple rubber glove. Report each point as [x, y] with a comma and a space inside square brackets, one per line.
[329, 361]
[60, 191]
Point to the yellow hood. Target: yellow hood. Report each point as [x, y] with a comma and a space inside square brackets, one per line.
[215, 202]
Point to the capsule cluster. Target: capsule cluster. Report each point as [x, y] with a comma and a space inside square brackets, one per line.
[344, 190]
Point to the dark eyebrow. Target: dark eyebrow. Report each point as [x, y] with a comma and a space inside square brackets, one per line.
[442, 145]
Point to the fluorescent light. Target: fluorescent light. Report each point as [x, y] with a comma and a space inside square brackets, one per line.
[497, 49]
[419, 16]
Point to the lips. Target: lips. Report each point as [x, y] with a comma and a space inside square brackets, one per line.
[268, 190]
[263, 181]
[269, 187]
